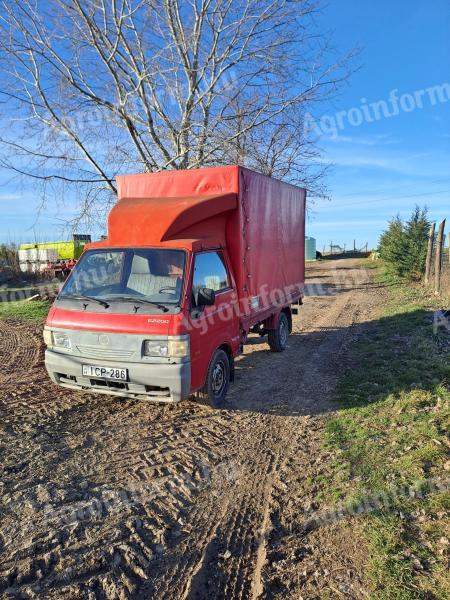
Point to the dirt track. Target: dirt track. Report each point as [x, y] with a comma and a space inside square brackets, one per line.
[109, 498]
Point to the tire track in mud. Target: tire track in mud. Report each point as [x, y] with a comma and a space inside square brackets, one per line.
[234, 579]
[191, 486]
[354, 321]
[18, 347]
[26, 392]
[165, 469]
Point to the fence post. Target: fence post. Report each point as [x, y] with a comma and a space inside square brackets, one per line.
[430, 253]
[438, 263]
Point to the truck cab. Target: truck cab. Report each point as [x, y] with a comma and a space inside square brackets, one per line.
[144, 323]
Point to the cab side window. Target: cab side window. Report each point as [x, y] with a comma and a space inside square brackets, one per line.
[209, 272]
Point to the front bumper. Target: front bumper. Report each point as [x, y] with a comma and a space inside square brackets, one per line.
[147, 381]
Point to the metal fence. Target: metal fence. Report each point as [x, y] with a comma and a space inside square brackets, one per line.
[344, 249]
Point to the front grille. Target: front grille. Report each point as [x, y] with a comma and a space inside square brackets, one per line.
[99, 352]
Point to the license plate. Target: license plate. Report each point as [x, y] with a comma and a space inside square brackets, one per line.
[105, 372]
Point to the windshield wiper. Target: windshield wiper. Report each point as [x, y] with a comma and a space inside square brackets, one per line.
[91, 298]
[141, 300]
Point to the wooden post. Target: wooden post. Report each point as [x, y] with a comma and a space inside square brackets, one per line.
[438, 263]
[430, 253]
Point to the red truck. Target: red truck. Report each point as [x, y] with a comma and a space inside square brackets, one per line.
[193, 262]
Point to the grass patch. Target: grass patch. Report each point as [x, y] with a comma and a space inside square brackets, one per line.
[392, 431]
[23, 309]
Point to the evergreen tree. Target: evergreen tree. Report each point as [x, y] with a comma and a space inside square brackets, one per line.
[403, 246]
[416, 234]
[393, 245]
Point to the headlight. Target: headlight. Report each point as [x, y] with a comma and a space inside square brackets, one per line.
[61, 340]
[156, 348]
[167, 348]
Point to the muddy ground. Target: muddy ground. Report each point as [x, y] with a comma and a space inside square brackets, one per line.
[110, 498]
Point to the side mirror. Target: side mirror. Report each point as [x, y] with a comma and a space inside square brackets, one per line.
[206, 297]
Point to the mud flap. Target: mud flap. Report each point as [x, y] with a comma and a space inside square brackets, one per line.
[231, 361]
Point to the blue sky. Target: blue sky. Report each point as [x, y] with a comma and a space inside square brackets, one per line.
[390, 164]
[382, 165]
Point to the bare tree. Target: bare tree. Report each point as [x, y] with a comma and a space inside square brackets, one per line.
[98, 87]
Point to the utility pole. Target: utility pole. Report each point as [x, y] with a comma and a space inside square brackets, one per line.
[438, 263]
[430, 253]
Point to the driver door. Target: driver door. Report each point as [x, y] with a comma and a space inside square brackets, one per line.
[211, 326]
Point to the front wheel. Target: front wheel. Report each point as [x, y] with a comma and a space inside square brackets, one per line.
[217, 379]
[278, 338]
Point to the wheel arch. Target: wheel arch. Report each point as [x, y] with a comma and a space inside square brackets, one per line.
[288, 312]
[226, 347]
[272, 322]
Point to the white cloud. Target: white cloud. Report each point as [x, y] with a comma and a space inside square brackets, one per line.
[10, 197]
[411, 164]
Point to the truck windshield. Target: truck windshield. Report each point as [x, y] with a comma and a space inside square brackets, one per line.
[154, 275]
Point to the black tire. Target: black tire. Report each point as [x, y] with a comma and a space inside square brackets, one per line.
[278, 338]
[217, 379]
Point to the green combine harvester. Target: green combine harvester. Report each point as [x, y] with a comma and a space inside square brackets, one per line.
[52, 259]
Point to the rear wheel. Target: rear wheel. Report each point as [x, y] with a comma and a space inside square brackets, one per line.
[278, 337]
[217, 379]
